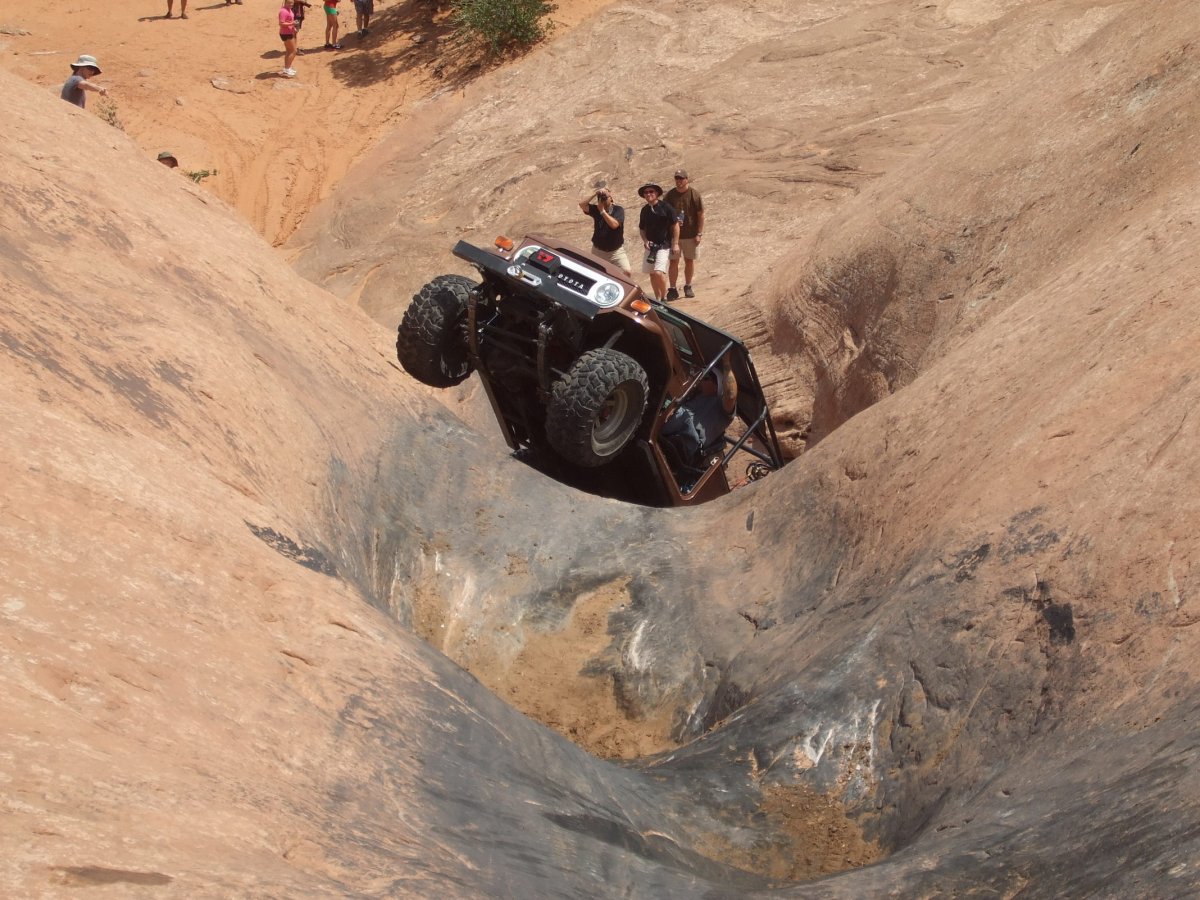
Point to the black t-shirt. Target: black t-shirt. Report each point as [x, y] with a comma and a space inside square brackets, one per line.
[603, 237]
[657, 222]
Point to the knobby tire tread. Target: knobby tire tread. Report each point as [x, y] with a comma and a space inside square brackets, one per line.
[577, 397]
[431, 327]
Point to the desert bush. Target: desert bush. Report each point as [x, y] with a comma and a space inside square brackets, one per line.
[503, 23]
[107, 110]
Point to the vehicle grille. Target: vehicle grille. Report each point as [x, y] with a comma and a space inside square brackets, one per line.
[573, 281]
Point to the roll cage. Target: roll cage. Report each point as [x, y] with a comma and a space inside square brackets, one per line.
[533, 313]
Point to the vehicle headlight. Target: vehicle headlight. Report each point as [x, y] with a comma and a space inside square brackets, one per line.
[609, 294]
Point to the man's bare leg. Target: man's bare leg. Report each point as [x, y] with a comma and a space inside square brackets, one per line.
[658, 280]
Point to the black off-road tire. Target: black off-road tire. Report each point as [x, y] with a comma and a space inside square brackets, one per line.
[431, 342]
[596, 408]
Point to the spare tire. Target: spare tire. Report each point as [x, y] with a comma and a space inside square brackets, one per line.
[596, 407]
[431, 342]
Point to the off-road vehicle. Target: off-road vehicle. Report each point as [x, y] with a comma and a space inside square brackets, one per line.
[583, 370]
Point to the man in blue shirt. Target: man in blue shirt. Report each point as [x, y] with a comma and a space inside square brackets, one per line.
[81, 70]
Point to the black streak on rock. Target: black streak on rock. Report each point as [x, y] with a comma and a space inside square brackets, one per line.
[308, 557]
[1059, 616]
[968, 561]
[87, 875]
[1061, 621]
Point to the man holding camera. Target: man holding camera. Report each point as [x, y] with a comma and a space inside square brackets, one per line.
[608, 228]
[659, 228]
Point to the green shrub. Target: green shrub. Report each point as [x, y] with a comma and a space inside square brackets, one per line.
[107, 110]
[503, 23]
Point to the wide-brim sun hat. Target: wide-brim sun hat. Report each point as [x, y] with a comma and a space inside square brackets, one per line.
[649, 187]
[85, 60]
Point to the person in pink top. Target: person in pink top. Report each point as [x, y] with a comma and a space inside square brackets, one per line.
[287, 34]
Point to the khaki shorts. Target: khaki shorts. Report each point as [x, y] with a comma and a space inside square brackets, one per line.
[657, 263]
[688, 249]
[618, 257]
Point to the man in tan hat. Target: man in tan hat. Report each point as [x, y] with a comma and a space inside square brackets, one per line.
[687, 202]
[81, 70]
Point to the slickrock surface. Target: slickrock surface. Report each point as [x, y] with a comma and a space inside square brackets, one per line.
[272, 614]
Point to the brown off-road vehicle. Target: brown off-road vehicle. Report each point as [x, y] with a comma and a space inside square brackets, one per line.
[583, 371]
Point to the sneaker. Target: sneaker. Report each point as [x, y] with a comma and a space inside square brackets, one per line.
[337, 46]
[672, 295]
[688, 292]
[291, 73]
